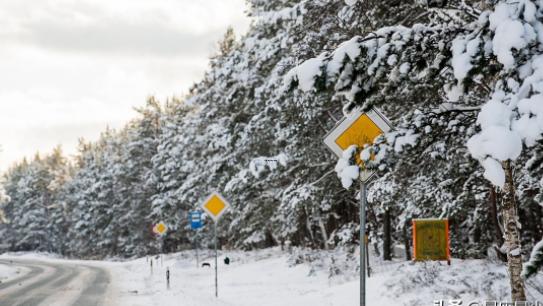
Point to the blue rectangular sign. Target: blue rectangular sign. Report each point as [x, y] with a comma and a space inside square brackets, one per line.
[195, 220]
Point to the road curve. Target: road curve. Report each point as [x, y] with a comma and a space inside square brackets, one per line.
[54, 284]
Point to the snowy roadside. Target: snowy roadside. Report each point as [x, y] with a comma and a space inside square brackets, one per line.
[261, 278]
[274, 278]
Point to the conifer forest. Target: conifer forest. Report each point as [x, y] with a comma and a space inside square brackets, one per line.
[461, 82]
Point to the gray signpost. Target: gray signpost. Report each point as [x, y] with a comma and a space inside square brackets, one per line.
[216, 262]
[363, 243]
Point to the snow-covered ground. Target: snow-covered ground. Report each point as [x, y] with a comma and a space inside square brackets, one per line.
[258, 278]
[270, 278]
[274, 278]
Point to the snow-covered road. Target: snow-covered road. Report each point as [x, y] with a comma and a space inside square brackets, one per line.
[53, 284]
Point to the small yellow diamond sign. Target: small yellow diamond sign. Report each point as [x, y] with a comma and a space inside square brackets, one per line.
[160, 228]
[215, 205]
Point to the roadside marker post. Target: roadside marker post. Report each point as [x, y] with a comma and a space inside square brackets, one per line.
[215, 206]
[168, 278]
[360, 129]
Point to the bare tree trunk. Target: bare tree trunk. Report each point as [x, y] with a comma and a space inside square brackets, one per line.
[387, 239]
[498, 233]
[512, 235]
[406, 240]
[323, 233]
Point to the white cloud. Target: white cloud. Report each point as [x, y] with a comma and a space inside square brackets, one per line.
[70, 68]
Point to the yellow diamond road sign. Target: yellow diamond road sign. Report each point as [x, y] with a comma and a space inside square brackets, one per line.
[161, 228]
[358, 129]
[215, 205]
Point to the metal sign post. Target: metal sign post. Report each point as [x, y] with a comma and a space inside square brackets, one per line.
[216, 269]
[362, 243]
[215, 206]
[197, 257]
[196, 246]
[359, 129]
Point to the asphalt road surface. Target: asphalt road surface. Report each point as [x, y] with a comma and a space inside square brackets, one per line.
[54, 284]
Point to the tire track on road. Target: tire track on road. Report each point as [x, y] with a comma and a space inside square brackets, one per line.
[48, 282]
[14, 298]
[68, 274]
[96, 291]
[34, 272]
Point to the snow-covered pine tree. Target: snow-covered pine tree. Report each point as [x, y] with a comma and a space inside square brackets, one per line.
[170, 168]
[428, 67]
[134, 190]
[31, 216]
[59, 174]
[444, 69]
[10, 203]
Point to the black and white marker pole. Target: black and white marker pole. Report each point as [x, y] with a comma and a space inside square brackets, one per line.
[168, 278]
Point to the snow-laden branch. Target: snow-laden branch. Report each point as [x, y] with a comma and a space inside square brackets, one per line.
[508, 37]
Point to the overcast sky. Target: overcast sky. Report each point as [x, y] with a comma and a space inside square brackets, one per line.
[69, 68]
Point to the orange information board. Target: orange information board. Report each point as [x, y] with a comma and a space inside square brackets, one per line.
[431, 239]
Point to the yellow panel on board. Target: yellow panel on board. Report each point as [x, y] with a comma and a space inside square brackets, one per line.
[363, 131]
[360, 133]
[431, 239]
